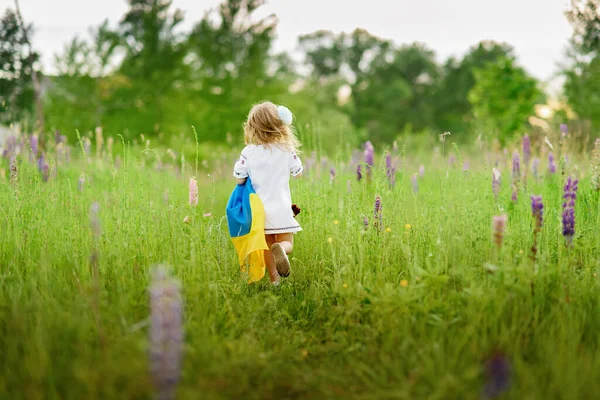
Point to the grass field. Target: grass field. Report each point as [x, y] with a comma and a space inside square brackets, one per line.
[420, 309]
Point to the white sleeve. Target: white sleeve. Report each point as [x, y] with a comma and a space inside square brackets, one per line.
[240, 170]
[295, 164]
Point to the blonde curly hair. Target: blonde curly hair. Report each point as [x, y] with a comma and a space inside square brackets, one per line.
[265, 127]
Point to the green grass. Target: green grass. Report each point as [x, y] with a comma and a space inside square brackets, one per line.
[342, 326]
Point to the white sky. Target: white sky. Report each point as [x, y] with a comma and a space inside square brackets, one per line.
[536, 28]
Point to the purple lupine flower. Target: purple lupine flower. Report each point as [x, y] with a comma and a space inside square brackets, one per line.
[377, 214]
[331, 174]
[498, 376]
[421, 171]
[516, 166]
[165, 333]
[14, 170]
[551, 163]
[365, 223]
[495, 182]
[564, 129]
[568, 215]
[390, 169]
[415, 183]
[535, 166]
[33, 145]
[499, 225]
[40, 162]
[193, 198]
[369, 155]
[466, 166]
[359, 172]
[526, 150]
[80, 183]
[45, 171]
[537, 210]
[95, 220]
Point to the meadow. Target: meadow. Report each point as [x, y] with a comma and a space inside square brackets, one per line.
[434, 301]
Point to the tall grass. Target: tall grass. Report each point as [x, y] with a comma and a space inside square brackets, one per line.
[412, 311]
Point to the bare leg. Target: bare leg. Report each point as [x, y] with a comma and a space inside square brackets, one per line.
[271, 268]
[286, 240]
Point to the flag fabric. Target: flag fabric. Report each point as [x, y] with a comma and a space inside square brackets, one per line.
[246, 223]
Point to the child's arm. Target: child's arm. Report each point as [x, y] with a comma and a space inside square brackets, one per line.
[296, 167]
[240, 170]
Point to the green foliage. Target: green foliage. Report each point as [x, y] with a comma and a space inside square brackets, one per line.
[503, 98]
[582, 89]
[454, 108]
[584, 16]
[409, 313]
[16, 64]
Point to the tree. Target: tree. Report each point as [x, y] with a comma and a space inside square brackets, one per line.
[153, 64]
[584, 16]
[17, 94]
[504, 97]
[454, 108]
[82, 93]
[230, 65]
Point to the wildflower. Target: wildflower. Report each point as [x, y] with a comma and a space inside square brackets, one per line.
[535, 165]
[516, 172]
[94, 220]
[359, 172]
[193, 192]
[336, 222]
[45, 171]
[568, 215]
[495, 182]
[14, 170]
[408, 227]
[564, 130]
[331, 175]
[466, 166]
[551, 163]
[366, 223]
[404, 283]
[498, 373]
[537, 210]
[596, 166]
[390, 169]
[499, 225]
[80, 183]
[415, 183]
[377, 214]
[526, 149]
[443, 136]
[388, 229]
[345, 286]
[329, 240]
[369, 154]
[165, 333]
[421, 171]
[33, 145]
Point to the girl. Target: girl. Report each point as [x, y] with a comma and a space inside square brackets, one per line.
[270, 156]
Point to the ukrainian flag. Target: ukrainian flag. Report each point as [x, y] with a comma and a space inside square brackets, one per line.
[246, 222]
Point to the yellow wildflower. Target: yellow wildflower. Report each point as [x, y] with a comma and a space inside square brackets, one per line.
[329, 240]
[388, 230]
[404, 283]
[408, 227]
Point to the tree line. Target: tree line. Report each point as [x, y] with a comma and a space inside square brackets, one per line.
[147, 75]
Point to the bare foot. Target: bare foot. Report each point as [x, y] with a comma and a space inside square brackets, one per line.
[282, 263]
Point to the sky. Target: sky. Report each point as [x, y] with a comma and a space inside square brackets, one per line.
[537, 29]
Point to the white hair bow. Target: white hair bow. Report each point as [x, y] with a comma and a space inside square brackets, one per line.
[285, 115]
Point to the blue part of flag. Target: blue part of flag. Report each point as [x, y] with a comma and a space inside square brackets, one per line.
[239, 212]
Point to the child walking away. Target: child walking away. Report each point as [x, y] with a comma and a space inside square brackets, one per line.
[267, 161]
